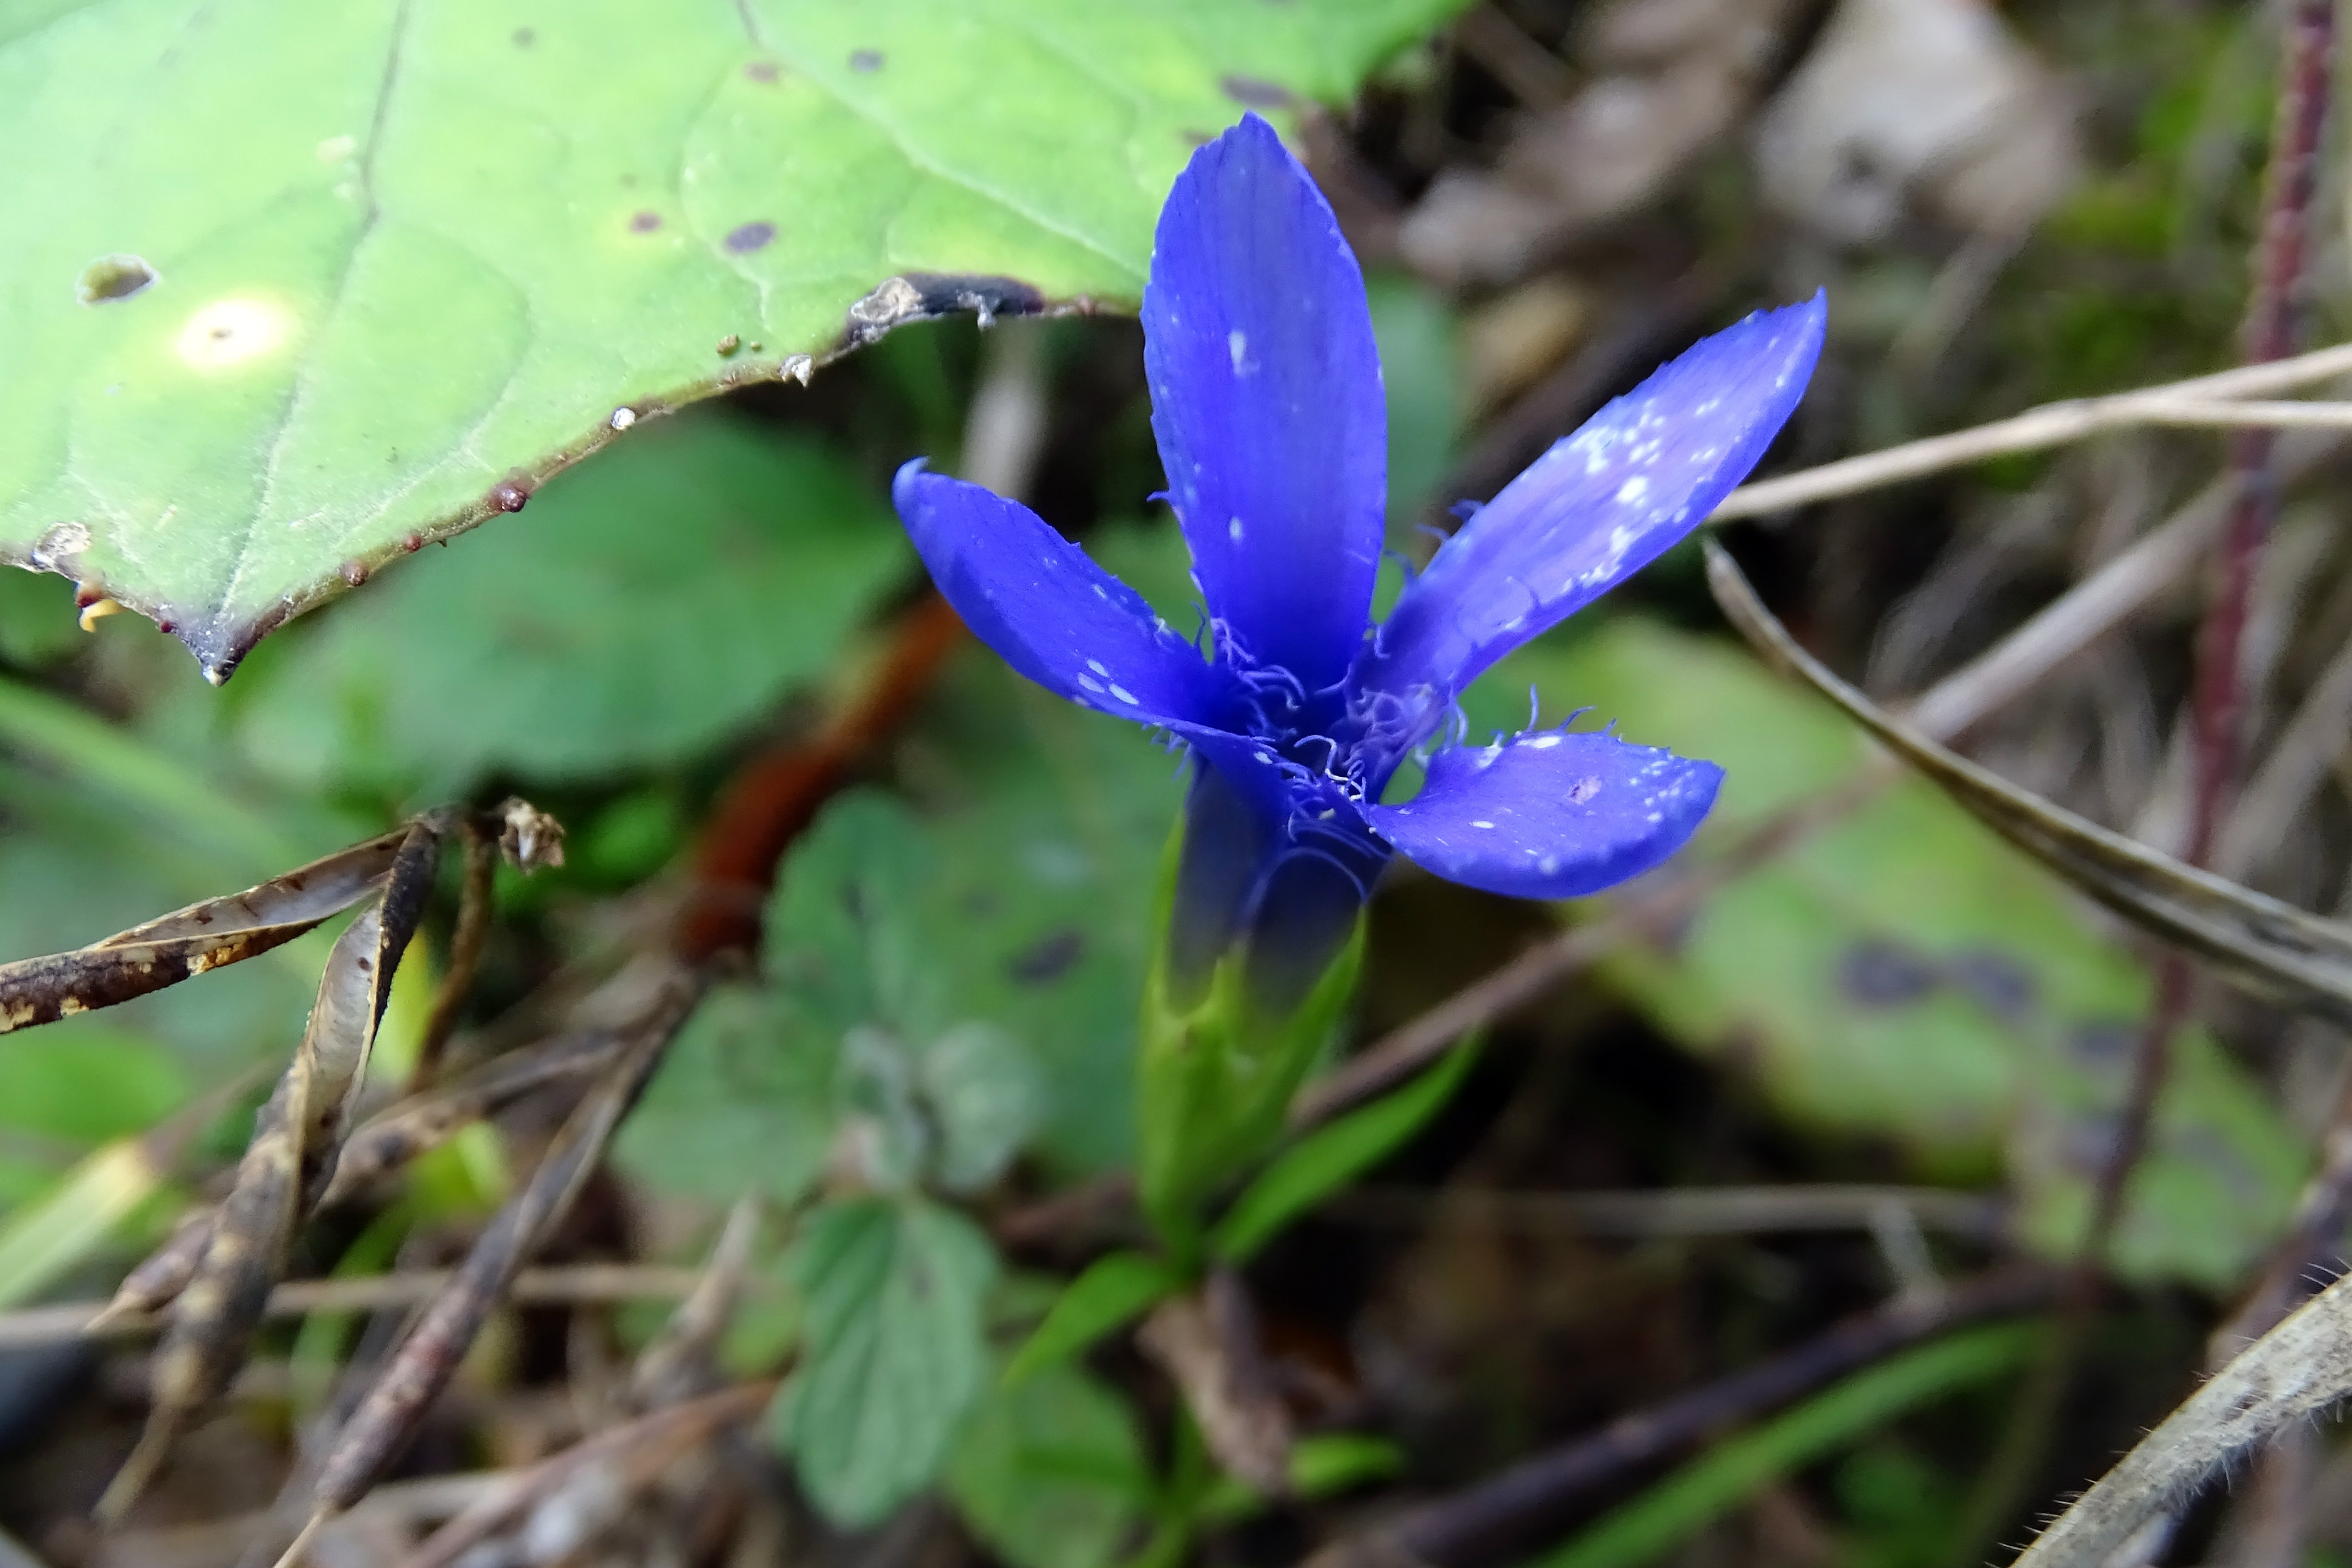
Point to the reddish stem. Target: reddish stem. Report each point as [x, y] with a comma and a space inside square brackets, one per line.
[2273, 313]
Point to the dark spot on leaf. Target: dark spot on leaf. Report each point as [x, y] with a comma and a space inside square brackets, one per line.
[644, 222]
[1878, 973]
[2103, 1042]
[920, 295]
[113, 277]
[354, 572]
[761, 70]
[1255, 92]
[865, 60]
[1047, 958]
[164, 625]
[746, 238]
[1994, 981]
[509, 495]
[413, 543]
[524, 38]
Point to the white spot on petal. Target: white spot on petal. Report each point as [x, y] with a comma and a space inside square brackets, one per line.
[1234, 531]
[1123, 695]
[1237, 346]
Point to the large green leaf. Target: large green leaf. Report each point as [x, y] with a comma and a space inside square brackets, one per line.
[1905, 973]
[290, 285]
[895, 1350]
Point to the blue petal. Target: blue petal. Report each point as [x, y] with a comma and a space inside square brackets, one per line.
[1266, 396]
[1550, 814]
[1598, 507]
[1049, 610]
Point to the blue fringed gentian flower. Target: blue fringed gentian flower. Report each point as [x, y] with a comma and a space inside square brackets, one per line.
[1268, 407]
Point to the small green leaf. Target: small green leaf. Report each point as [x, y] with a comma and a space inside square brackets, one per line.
[1050, 1471]
[291, 284]
[1116, 1288]
[1331, 1156]
[846, 931]
[894, 1292]
[1646, 1528]
[637, 613]
[743, 1100]
[1331, 1462]
[986, 1097]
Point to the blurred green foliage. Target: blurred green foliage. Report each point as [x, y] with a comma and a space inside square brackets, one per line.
[639, 612]
[1904, 973]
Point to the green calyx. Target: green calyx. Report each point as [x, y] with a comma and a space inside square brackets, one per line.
[1217, 1073]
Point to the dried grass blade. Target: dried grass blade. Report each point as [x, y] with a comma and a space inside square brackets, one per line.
[162, 1274]
[213, 1318]
[423, 1363]
[677, 1362]
[690, 1421]
[2271, 948]
[294, 1141]
[189, 941]
[2292, 1372]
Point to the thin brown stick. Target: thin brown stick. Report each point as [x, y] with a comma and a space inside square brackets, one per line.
[2051, 424]
[573, 1284]
[2275, 309]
